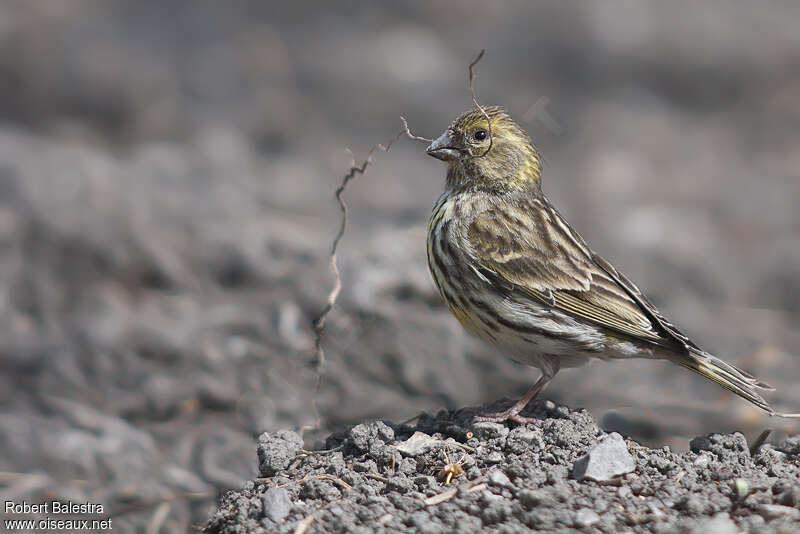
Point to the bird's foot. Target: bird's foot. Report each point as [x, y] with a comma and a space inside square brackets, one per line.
[502, 417]
[512, 414]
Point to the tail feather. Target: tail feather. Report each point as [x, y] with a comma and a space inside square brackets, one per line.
[732, 378]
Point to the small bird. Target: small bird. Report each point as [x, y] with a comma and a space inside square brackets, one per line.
[515, 273]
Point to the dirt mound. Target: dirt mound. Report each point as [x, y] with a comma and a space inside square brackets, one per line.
[447, 474]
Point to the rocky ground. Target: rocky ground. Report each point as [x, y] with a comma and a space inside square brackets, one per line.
[446, 474]
[166, 211]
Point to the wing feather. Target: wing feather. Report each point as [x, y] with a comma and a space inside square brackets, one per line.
[531, 250]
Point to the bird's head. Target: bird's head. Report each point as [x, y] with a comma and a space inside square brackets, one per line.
[493, 155]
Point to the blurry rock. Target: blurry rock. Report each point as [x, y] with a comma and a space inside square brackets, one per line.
[790, 497]
[778, 511]
[699, 444]
[497, 478]
[366, 436]
[586, 518]
[791, 445]
[608, 459]
[727, 447]
[719, 524]
[487, 430]
[277, 504]
[276, 451]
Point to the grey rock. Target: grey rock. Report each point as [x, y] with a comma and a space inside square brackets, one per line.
[719, 524]
[586, 518]
[277, 503]
[417, 444]
[731, 448]
[486, 430]
[608, 459]
[699, 444]
[777, 511]
[790, 497]
[498, 478]
[692, 505]
[531, 498]
[276, 451]
[366, 436]
[523, 439]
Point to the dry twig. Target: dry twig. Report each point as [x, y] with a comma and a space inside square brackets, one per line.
[319, 322]
[360, 168]
[376, 476]
[475, 101]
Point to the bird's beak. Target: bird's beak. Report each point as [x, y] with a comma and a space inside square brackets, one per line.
[444, 148]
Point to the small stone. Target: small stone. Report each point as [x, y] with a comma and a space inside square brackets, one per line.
[362, 437]
[400, 484]
[790, 497]
[608, 459]
[586, 518]
[699, 444]
[367, 466]
[703, 459]
[336, 464]
[522, 439]
[277, 451]
[498, 478]
[777, 511]
[494, 457]
[656, 512]
[660, 463]
[779, 487]
[729, 448]
[754, 522]
[276, 503]
[719, 524]
[315, 489]
[407, 466]
[691, 505]
[791, 446]
[486, 430]
[424, 481]
[417, 444]
[636, 518]
[495, 510]
[530, 498]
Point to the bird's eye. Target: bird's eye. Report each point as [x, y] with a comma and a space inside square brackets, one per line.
[480, 135]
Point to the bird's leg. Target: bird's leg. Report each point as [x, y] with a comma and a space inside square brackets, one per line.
[512, 414]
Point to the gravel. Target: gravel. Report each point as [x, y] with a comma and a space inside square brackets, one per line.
[559, 474]
[605, 461]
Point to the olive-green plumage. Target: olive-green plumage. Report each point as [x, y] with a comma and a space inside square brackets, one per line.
[515, 273]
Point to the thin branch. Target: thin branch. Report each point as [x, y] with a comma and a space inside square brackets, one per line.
[475, 101]
[319, 322]
[412, 136]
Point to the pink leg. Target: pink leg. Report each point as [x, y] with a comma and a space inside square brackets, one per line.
[512, 414]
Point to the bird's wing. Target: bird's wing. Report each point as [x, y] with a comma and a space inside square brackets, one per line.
[529, 249]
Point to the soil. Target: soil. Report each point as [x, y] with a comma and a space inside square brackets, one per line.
[384, 477]
[166, 212]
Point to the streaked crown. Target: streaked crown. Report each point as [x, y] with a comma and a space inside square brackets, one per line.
[493, 155]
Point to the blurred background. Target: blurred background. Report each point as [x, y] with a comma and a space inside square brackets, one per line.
[166, 211]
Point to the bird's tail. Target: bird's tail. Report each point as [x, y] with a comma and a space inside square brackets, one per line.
[726, 375]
